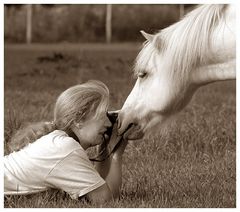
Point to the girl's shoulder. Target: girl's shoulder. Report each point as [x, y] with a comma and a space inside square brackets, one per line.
[58, 133]
[60, 140]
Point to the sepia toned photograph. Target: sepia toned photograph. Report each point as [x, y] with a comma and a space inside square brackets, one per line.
[119, 106]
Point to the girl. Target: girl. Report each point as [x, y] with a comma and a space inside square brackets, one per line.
[57, 157]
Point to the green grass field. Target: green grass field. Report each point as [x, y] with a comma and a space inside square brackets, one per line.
[193, 165]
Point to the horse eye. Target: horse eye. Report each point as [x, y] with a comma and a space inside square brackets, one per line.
[142, 74]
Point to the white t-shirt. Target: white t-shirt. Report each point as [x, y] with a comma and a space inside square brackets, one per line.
[53, 161]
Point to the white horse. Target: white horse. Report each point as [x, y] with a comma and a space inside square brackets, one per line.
[175, 62]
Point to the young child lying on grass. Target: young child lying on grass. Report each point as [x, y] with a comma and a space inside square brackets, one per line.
[54, 153]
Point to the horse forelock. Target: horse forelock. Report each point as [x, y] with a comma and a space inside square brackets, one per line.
[143, 58]
[184, 44]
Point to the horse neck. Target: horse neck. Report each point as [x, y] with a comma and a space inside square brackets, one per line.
[222, 65]
[206, 36]
[223, 40]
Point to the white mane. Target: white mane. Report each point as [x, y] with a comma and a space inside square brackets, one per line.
[186, 43]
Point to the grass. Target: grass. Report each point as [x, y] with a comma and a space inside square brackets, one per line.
[193, 165]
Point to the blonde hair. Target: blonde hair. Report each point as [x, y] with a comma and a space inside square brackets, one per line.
[77, 103]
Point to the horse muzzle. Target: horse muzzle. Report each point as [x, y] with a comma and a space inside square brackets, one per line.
[129, 127]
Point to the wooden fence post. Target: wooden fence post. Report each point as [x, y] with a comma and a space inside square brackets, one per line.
[181, 11]
[108, 27]
[29, 23]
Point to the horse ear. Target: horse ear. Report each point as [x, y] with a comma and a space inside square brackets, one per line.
[149, 37]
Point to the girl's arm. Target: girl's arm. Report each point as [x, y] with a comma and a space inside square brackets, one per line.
[111, 170]
[103, 166]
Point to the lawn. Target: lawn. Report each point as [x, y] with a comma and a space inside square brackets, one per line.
[192, 165]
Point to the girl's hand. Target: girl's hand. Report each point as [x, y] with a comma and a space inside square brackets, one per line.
[117, 154]
[102, 151]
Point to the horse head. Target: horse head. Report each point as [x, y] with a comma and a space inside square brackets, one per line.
[173, 64]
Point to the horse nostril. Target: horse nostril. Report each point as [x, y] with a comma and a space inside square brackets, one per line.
[125, 121]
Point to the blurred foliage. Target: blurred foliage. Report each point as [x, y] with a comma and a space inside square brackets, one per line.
[86, 23]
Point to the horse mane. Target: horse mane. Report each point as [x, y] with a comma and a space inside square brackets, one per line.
[186, 43]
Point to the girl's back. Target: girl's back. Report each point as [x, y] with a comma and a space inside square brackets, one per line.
[44, 154]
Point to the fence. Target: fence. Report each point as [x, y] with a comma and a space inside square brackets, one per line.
[85, 23]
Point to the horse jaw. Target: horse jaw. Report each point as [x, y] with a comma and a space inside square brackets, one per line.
[139, 112]
[162, 102]
[139, 127]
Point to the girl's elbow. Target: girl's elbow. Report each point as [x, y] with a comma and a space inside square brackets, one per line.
[100, 195]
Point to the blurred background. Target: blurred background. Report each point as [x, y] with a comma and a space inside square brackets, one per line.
[86, 23]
